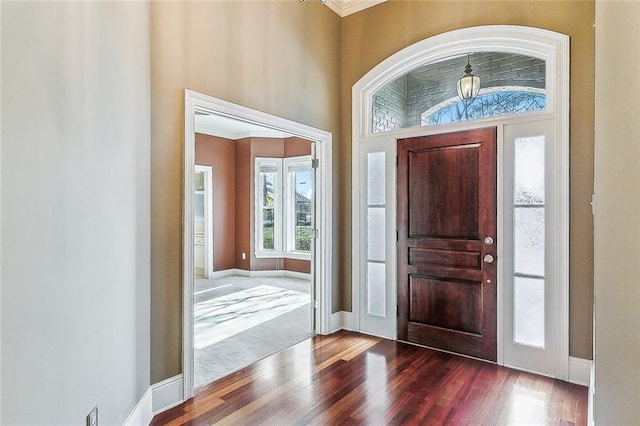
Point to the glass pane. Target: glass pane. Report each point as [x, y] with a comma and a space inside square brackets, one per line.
[198, 181]
[529, 240]
[268, 188]
[198, 206]
[199, 226]
[528, 315]
[529, 170]
[375, 233]
[427, 95]
[376, 297]
[267, 229]
[376, 178]
[303, 191]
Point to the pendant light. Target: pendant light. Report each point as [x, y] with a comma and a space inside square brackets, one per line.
[469, 84]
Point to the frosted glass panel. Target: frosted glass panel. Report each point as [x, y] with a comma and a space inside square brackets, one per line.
[375, 233]
[529, 311]
[529, 240]
[375, 178]
[376, 297]
[529, 170]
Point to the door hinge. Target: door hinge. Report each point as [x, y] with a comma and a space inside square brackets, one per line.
[315, 163]
[397, 236]
[315, 304]
[397, 310]
[316, 233]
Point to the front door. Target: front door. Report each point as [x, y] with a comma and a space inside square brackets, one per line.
[446, 189]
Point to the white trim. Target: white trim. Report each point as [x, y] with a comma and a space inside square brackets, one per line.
[580, 371]
[245, 273]
[348, 7]
[142, 413]
[281, 273]
[550, 46]
[167, 394]
[591, 395]
[341, 320]
[229, 273]
[323, 270]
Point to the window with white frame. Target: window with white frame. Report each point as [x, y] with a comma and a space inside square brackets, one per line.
[283, 216]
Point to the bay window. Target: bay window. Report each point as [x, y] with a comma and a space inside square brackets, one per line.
[283, 215]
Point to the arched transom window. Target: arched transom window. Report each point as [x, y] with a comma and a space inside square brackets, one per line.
[509, 84]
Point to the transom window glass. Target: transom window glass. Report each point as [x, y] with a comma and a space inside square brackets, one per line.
[509, 84]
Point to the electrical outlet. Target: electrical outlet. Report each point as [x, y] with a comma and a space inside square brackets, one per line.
[92, 417]
[244, 256]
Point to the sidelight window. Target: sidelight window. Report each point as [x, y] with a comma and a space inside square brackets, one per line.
[529, 241]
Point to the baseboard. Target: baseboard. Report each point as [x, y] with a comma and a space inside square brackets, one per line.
[592, 389]
[341, 320]
[579, 371]
[228, 273]
[245, 273]
[142, 413]
[281, 273]
[167, 394]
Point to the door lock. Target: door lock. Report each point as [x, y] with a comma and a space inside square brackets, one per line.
[488, 258]
[488, 241]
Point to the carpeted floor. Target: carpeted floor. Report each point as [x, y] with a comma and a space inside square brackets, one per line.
[240, 320]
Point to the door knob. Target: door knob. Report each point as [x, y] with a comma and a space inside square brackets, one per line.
[488, 258]
[488, 241]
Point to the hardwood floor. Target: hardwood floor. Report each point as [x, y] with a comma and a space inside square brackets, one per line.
[349, 378]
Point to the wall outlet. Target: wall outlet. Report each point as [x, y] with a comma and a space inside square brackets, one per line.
[92, 417]
[244, 256]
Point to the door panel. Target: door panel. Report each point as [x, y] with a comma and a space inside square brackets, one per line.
[446, 208]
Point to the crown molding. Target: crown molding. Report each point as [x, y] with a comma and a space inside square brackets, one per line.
[349, 7]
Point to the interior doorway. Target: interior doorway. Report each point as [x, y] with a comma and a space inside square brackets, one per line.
[269, 285]
[203, 221]
[258, 298]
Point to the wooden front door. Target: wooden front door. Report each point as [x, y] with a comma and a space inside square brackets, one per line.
[447, 242]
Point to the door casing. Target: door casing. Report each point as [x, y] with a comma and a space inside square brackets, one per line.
[551, 46]
[322, 273]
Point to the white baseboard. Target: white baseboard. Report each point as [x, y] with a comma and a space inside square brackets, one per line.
[245, 273]
[228, 273]
[281, 273]
[341, 320]
[167, 394]
[142, 413]
[579, 371]
[592, 389]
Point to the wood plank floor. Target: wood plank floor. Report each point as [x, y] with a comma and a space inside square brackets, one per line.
[349, 378]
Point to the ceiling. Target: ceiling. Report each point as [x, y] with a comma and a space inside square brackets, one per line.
[232, 128]
[348, 7]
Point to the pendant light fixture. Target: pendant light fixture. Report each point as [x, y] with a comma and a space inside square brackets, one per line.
[469, 84]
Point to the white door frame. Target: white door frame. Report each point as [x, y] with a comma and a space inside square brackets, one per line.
[550, 46]
[324, 226]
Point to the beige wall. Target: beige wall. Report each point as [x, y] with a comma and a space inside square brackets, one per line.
[373, 35]
[617, 221]
[278, 57]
